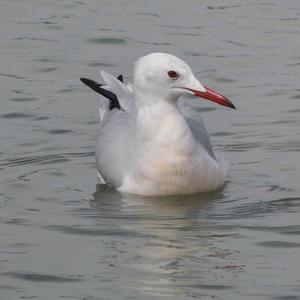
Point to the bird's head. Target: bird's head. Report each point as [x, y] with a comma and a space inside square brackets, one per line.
[165, 76]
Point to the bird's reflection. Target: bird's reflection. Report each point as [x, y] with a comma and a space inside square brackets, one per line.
[169, 220]
[180, 206]
[165, 230]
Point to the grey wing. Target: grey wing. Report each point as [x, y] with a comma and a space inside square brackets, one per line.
[197, 127]
[115, 147]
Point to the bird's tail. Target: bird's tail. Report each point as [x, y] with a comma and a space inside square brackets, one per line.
[100, 89]
[119, 95]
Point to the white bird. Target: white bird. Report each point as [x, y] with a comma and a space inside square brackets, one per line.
[149, 143]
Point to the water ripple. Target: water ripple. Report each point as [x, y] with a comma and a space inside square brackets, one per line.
[286, 230]
[59, 131]
[243, 146]
[222, 7]
[287, 146]
[23, 99]
[92, 232]
[12, 75]
[16, 115]
[260, 208]
[48, 158]
[37, 277]
[279, 244]
[113, 41]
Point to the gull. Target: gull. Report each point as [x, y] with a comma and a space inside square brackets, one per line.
[150, 143]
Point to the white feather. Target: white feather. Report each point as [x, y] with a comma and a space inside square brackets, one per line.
[158, 147]
[123, 93]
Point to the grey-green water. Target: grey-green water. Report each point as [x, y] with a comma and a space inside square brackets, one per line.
[61, 237]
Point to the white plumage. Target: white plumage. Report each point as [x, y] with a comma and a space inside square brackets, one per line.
[156, 145]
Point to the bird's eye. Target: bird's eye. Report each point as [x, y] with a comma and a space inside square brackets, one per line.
[173, 74]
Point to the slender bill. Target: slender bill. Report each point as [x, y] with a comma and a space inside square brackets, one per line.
[212, 95]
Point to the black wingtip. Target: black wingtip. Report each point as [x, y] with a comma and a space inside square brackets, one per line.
[94, 85]
[84, 80]
[120, 77]
[97, 87]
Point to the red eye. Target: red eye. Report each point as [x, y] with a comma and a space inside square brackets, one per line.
[172, 74]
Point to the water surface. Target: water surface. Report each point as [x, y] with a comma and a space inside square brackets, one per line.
[64, 237]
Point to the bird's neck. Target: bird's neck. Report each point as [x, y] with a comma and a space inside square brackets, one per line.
[145, 99]
[161, 123]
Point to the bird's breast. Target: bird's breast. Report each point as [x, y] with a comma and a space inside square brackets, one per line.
[170, 161]
[174, 170]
